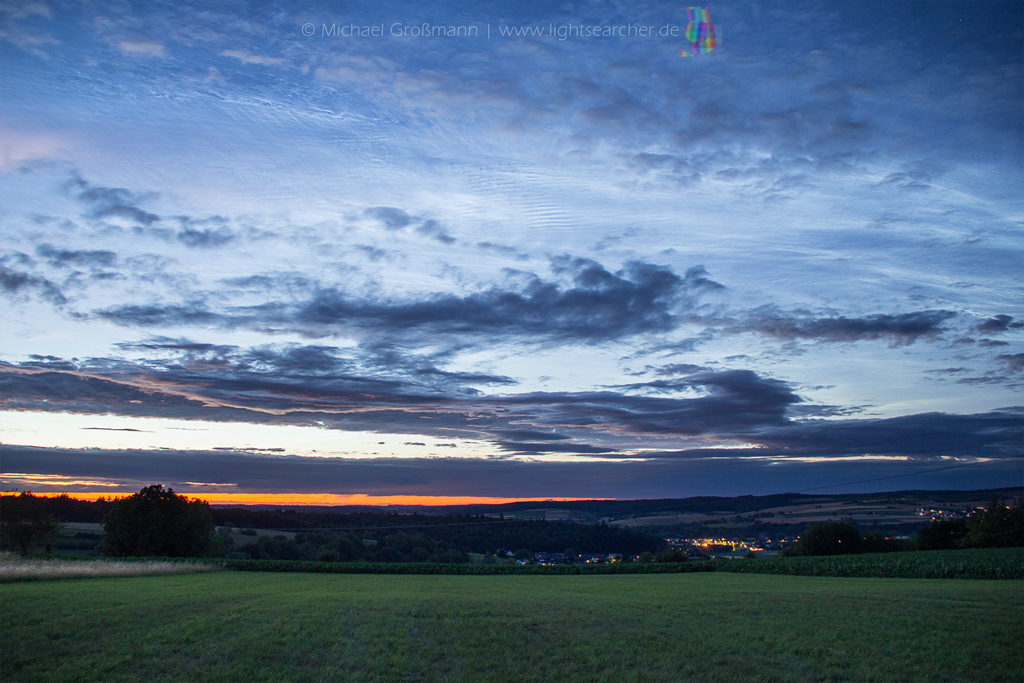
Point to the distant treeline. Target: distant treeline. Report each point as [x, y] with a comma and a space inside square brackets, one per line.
[736, 504]
[73, 510]
[363, 536]
[997, 526]
[28, 521]
[376, 537]
[67, 509]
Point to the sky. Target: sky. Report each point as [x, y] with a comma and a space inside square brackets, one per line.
[387, 251]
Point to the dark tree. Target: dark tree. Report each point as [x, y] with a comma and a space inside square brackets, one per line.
[942, 534]
[875, 542]
[24, 522]
[158, 522]
[829, 538]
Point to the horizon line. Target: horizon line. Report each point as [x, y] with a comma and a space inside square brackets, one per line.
[319, 499]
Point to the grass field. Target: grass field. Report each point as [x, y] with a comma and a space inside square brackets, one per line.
[234, 626]
[16, 568]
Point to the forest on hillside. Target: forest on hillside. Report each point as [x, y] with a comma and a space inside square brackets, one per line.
[288, 534]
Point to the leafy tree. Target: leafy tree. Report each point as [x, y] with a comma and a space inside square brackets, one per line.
[672, 555]
[999, 526]
[159, 522]
[24, 523]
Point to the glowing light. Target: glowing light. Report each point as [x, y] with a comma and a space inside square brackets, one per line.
[320, 498]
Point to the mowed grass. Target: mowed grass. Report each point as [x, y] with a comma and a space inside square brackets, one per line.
[234, 626]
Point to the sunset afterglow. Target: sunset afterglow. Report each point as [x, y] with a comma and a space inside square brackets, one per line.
[550, 251]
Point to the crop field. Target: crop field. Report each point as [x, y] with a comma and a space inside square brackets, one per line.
[973, 563]
[707, 626]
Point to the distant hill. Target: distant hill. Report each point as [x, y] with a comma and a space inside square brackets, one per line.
[896, 509]
[623, 508]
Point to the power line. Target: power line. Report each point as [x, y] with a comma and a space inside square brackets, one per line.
[401, 526]
[893, 476]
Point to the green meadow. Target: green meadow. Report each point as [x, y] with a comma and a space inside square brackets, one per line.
[713, 626]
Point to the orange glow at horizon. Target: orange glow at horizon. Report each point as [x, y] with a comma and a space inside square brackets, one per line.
[321, 498]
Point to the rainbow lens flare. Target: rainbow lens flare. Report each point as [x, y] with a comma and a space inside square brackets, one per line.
[699, 32]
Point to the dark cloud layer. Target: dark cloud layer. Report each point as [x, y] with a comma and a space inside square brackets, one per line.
[77, 257]
[1014, 361]
[701, 474]
[597, 304]
[998, 323]
[998, 434]
[117, 202]
[898, 330]
[17, 282]
[314, 385]
[112, 202]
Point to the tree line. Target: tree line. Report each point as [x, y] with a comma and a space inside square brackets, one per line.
[159, 522]
[997, 526]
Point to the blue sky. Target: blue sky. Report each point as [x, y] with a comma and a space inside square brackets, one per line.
[243, 253]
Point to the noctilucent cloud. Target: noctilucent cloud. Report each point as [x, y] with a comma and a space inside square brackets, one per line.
[398, 251]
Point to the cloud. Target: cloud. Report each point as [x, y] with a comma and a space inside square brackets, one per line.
[528, 435]
[67, 257]
[463, 377]
[180, 344]
[396, 219]
[131, 213]
[596, 304]
[1014, 361]
[998, 434]
[112, 202]
[701, 473]
[25, 10]
[15, 282]
[997, 324]
[246, 57]
[372, 253]
[433, 229]
[304, 385]
[504, 249]
[899, 330]
[156, 315]
[141, 48]
[207, 237]
[299, 384]
[526, 448]
[677, 369]
[392, 218]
